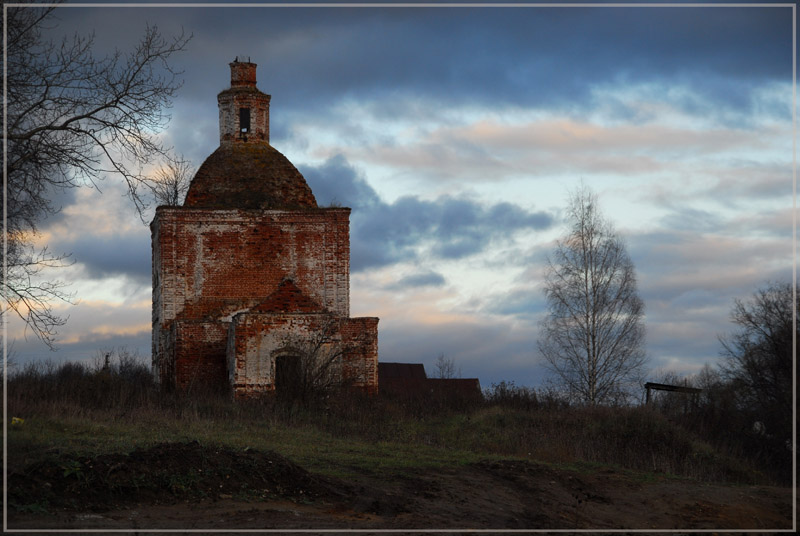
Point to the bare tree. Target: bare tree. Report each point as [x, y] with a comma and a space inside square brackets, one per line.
[171, 182]
[445, 367]
[72, 118]
[759, 357]
[312, 364]
[593, 337]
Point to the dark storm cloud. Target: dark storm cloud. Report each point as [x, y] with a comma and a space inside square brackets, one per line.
[691, 219]
[58, 199]
[520, 302]
[86, 349]
[337, 182]
[423, 279]
[112, 255]
[108, 242]
[385, 233]
[454, 228]
[419, 63]
[536, 57]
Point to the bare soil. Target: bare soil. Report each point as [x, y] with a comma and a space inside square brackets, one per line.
[190, 486]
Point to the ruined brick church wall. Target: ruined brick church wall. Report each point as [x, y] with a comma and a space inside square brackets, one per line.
[210, 264]
[360, 334]
[256, 339]
[211, 260]
[249, 261]
[199, 348]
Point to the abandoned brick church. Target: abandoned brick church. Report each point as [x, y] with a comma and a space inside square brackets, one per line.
[250, 264]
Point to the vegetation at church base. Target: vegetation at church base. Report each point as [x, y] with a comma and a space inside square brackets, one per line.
[74, 410]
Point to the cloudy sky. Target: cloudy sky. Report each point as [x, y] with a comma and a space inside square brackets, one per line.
[456, 134]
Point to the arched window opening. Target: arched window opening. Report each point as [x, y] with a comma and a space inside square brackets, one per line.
[244, 120]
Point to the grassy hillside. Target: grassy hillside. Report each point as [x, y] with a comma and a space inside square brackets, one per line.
[90, 410]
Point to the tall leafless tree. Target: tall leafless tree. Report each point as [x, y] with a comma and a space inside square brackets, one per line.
[593, 337]
[759, 357]
[72, 119]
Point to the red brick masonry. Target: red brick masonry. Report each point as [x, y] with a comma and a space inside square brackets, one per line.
[246, 280]
[250, 264]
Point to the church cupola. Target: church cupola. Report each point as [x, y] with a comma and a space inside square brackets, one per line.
[246, 172]
[243, 109]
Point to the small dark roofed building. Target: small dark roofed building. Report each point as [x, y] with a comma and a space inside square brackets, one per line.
[399, 378]
[250, 264]
[409, 379]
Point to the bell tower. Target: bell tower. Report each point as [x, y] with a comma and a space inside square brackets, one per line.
[243, 109]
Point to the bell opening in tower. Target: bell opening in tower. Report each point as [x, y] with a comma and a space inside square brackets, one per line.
[244, 120]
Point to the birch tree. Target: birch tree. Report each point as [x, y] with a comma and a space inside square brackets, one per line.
[593, 338]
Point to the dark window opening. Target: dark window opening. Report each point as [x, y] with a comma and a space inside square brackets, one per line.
[244, 120]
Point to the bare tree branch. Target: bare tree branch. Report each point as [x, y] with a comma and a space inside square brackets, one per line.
[72, 119]
[171, 182]
[316, 362]
[445, 367]
[30, 297]
[759, 357]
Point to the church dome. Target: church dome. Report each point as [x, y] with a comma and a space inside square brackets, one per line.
[249, 176]
[246, 172]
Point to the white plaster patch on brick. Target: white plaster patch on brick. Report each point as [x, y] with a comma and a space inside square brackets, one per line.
[229, 317]
[252, 365]
[199, 268]
[266, 348]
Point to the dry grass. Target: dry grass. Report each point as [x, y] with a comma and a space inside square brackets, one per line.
[80, 408]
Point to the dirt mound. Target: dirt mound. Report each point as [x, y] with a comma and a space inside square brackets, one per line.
[191, 486]
[163, 474]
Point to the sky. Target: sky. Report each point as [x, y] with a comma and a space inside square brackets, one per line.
[456, 135]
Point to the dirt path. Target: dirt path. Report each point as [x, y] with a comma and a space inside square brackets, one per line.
[508, 494]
